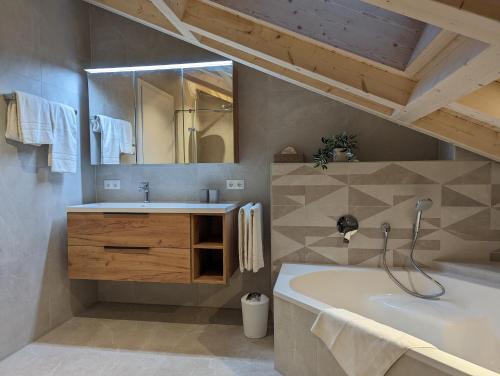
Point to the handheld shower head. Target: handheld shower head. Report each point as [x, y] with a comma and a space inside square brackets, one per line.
[423, 204]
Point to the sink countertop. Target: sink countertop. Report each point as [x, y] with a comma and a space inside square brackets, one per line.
[154, 207]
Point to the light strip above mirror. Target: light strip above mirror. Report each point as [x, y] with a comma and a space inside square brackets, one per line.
[144, 68]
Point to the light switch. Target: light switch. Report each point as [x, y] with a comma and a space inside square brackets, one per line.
[111, 184]
[235, 184]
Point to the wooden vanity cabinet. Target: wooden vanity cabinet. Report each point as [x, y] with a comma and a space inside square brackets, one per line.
[152, 247]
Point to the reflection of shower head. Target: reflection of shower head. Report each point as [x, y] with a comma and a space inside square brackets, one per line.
[422, 204]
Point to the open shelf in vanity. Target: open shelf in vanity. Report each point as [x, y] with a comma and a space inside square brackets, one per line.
[207, 231]
[213, 237]
[208, 265]
[153, 243]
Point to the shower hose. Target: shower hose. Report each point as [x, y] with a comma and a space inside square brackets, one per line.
[386, 228]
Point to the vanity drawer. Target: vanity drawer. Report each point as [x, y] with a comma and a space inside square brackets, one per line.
[171, 265]
[129, 230]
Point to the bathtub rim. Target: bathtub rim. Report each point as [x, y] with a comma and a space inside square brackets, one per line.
[436, 358]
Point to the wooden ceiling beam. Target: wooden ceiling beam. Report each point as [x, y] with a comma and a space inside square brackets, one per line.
[432, 41]
[482, 105]
[477, 19]
[286, 49]
[142, 11]
[173, 11]
[451, 127]
[464, 66]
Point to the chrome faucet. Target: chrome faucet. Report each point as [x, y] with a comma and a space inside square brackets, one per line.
[144, 187]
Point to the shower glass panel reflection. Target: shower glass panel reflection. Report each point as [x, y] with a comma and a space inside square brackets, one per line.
[208, 127]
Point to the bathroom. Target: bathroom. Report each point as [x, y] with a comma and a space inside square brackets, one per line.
[426, 120]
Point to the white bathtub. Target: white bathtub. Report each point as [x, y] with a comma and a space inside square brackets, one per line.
[464, 325]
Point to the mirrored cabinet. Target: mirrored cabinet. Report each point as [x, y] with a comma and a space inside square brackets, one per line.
[185, 113]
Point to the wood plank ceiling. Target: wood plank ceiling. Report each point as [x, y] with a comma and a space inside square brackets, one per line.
[430, 65]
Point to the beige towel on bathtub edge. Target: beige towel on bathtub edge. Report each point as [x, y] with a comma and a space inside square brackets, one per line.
[361, 346]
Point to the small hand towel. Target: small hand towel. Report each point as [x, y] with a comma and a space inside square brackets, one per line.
[361, 346]
[256, 255]
[243, 224]
[64, 149]
[34, 123]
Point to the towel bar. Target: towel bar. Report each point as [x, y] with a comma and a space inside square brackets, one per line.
[9, 97]
[12, 97]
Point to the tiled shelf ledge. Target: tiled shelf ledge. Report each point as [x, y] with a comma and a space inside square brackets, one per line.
[484, 273]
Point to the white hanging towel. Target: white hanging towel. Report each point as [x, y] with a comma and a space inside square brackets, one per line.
[255, 254]
[64, 149]
[113, 138]
[32, 116]
[243, 227]
[126, 138]
[361, 346]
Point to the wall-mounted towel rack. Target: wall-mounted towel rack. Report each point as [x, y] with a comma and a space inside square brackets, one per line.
[12, 97]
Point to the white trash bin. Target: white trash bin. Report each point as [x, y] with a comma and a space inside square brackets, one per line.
[255, 308]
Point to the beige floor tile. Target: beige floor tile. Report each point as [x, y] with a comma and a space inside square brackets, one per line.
[119, 339]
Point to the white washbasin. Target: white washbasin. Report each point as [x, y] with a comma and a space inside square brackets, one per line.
[154, 207]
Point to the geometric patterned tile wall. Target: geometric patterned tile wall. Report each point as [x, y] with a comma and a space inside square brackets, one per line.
[463, 223]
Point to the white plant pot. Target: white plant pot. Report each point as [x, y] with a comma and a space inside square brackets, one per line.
[339, 155]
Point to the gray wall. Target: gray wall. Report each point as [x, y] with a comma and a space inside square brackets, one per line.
[273, 114]
[43, 45]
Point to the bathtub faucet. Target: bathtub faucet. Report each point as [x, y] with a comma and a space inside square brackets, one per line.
[348, 226]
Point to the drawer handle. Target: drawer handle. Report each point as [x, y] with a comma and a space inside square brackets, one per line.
[116, 249]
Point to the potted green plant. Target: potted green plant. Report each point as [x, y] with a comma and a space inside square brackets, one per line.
[339, 148]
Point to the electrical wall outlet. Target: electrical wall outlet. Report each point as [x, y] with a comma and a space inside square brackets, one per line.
[235, 184]
[111, 184]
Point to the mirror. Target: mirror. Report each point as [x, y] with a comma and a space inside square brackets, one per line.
[163, 116]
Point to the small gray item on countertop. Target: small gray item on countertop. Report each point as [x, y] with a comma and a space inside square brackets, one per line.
[203, 195]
